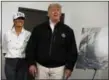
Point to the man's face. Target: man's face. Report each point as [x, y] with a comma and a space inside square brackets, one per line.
[54, 13]
[19, 22]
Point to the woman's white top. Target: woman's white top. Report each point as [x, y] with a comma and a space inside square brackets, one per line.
[14, 45]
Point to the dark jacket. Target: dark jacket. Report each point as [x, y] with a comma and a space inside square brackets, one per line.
[52, 49]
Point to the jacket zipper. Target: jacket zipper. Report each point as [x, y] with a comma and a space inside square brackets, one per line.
[51, 42]
[51, 45]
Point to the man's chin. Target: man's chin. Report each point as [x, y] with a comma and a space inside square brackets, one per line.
[56, 19]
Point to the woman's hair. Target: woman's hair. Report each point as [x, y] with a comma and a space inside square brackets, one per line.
[13, 26]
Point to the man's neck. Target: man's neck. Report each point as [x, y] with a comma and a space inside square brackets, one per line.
[54, 21]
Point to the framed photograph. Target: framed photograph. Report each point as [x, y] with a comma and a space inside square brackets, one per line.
[93, 48]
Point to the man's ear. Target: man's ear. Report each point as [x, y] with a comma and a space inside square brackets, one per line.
[61, 15]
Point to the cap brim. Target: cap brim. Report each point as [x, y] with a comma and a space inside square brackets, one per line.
[23, 18]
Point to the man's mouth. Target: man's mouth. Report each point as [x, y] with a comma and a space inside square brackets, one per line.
[56, 15]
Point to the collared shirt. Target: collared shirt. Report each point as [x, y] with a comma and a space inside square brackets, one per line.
[14, 45]
[52, 25]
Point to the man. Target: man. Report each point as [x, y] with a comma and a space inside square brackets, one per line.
[14, 43]
[52, 46]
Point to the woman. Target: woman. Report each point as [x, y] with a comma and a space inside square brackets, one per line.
[15, 41]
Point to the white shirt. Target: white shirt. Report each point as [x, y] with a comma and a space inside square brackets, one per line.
[52, 25]
[13, 45]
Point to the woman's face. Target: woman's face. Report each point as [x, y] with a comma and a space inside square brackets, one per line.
[18, 22]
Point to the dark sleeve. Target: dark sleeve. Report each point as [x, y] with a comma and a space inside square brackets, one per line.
[71, 50]
[30, 49]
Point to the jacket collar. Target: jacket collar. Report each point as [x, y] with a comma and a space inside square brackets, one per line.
[49, 21]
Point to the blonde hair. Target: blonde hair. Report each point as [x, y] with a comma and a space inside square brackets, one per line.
[54, 5]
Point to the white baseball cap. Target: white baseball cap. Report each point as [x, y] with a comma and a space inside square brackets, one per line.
[18, 15]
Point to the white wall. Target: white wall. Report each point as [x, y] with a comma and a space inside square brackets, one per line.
[77, 15]
[0, 42]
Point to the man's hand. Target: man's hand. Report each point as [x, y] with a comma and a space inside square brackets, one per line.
[33, 70]
[67, 73]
